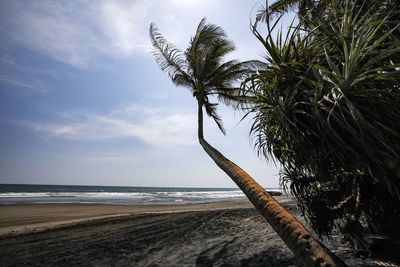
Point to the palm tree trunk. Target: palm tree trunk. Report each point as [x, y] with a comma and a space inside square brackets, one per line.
[308, 251]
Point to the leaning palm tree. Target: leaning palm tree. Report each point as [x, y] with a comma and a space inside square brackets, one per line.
[201, 69]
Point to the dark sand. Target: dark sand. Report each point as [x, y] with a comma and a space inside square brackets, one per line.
[229, 233]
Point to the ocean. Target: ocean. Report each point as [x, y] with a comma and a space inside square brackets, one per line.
[26, 193]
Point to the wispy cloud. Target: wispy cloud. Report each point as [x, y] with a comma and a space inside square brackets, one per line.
[80, 33]
[24, 83]
[72, 32]
[13, 75]
[157, 127]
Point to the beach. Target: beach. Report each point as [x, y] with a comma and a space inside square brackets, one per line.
[224, 233]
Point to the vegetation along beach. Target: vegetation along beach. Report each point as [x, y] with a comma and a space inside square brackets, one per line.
[269, 134]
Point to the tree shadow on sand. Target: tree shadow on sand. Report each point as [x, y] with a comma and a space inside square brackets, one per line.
[219, 256]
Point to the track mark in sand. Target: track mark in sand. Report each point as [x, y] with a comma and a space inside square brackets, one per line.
[209, 256]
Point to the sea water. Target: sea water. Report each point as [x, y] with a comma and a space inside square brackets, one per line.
[24, 193]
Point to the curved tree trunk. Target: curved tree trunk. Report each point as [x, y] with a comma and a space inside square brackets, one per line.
[308, 251]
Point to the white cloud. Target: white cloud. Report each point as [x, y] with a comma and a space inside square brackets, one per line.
[80, 33]
[157, 127]
[122, 24]
[192, 4]
[57, 32]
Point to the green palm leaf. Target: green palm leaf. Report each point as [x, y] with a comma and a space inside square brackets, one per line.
[201, 68]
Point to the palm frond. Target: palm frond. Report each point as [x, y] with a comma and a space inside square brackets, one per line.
[267, 12]
[201, 66]
[211, 110]
[170, 59]
[212, 56]
[207, 36]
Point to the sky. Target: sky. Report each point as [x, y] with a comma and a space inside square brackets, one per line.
[82, 100]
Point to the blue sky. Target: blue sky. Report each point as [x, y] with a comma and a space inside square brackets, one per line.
[82, 100]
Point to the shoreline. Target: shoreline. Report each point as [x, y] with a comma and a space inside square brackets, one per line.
[18, 219]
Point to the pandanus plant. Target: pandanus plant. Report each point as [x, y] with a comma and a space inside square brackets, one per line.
[201, 69]
[327, 107]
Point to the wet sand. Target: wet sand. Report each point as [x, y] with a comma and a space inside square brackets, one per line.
[26, 218]
[229, 233]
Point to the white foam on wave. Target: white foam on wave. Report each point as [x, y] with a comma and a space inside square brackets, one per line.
[120, 197]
